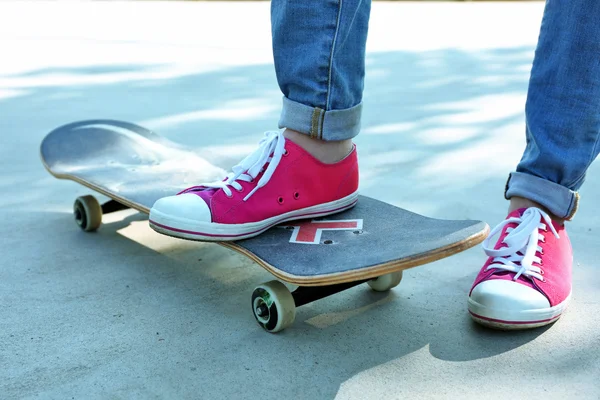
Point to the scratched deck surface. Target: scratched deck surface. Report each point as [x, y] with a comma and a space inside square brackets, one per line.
[136, 166]
[124, 161]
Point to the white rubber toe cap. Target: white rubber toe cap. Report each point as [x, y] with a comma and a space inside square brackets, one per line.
[186, 207]
[508, 295]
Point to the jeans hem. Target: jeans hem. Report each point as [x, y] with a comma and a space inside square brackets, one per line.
[329, 125]
[559, 200]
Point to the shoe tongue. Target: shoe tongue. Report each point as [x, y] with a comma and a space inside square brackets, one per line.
[206, 195]
[517, 213]
[508, 275]
[514, 214]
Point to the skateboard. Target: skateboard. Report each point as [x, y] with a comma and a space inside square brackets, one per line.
[372, 242]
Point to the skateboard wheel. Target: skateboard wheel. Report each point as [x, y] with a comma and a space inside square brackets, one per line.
[88, 213]
[273, 306]
[386, 282]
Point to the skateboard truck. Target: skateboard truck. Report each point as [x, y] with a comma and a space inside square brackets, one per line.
[274, 305]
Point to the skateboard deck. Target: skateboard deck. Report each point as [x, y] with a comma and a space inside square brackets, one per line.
[134, 166]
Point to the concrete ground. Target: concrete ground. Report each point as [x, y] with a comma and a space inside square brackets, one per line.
[128, 314]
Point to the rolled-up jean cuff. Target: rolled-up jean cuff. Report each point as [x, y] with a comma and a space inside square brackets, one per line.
[320, 124]
[559, 200]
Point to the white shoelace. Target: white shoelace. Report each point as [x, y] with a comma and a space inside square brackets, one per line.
[248, 169]
[522, 244]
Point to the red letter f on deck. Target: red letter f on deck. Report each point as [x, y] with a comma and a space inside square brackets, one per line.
[310, 232]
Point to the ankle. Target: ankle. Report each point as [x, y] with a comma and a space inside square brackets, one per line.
[521, 202]
[324, 151]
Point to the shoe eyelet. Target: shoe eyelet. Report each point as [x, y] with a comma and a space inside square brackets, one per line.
[296, 195]
[280, 200]
[541, 272]
[286, 153]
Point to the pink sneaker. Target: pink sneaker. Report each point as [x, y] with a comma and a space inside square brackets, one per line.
[526, 282]
[279, 182]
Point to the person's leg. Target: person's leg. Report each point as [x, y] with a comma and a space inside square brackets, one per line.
[319, 54]
[529, 282]
[311, 168]
[563, 109]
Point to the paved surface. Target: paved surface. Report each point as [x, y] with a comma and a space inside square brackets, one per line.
[127, 313]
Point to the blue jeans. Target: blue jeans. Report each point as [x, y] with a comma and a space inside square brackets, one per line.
[319, 53]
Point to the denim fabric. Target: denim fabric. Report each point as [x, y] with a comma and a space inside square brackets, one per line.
[562, 109]
[319, 55]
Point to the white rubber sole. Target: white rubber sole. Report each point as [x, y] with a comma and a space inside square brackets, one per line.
[207, 231]
[515, 319]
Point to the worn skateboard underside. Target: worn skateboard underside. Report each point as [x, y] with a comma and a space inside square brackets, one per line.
[136, 167]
